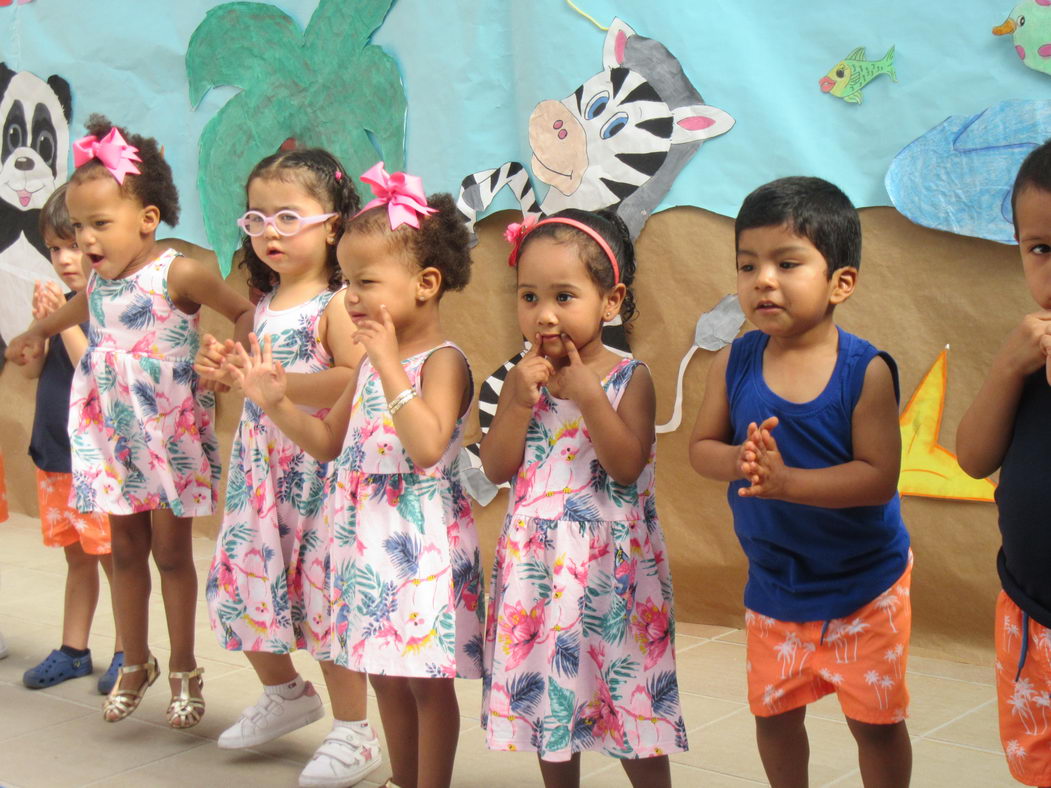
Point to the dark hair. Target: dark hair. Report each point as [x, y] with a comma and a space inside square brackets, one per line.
[152, 186]
[54, 216]
[811, 208]
[322, 176]
[1035, 172]
[441, 242]
[614, 232]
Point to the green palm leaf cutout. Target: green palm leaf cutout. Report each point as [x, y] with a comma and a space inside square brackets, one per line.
[325, 86]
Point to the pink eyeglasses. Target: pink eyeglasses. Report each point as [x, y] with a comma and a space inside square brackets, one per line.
[286, 223]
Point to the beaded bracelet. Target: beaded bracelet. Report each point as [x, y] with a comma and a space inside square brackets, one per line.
[400, 401]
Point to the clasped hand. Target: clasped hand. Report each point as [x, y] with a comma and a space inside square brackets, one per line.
[760, 462]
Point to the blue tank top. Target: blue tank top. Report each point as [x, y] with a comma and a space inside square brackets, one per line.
[49, 442]
[808, 563]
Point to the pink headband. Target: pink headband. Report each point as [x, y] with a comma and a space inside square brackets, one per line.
[401, 193]
[115, 154]
[516, 233]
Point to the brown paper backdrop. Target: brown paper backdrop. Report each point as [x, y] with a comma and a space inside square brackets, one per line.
[919, 290]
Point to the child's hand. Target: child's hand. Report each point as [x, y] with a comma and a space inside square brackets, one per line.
[379, 340]
[260, 377]
[761, 462]
[1045, 345]
[213, 356]
[576, 380]
[24, 348]
[528, 375]
[1024, 351]
[47, 297]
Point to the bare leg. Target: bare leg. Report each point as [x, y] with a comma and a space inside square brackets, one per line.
[131, 590]
[106, 562]
[561, 774]
[173, 556]
[272, 668]
[648, 772]
[884, 754]
[82, 594]
[401, 727]
[438, 717]
[784, 748]
[346, 691]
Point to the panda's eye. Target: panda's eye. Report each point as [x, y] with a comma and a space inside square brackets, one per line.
[45, 146]
[597, 105]
[14, 136]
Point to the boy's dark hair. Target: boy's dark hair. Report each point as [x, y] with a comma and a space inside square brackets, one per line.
[1035, 172]
[441, 242]
[54, 217]
[322, 176]
[811, 208]
[614, 232]
[153, 186]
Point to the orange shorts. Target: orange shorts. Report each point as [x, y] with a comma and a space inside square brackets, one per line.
[61, 523]
[1024, 696]
[860, 657]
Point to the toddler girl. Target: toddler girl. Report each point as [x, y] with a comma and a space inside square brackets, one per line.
[578, 645]
[143, 447]
[406, 589]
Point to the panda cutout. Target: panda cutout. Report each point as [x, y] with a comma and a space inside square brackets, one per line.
[33, 160]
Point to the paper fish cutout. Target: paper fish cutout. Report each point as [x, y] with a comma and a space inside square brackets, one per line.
[928, 469]
[846, 79]
[1029, 25]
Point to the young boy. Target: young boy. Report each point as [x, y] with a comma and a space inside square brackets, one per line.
[1007, 427]
[85, 537]
[802, 419]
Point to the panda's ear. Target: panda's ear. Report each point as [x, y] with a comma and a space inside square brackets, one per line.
[5, 77]
[65, 98]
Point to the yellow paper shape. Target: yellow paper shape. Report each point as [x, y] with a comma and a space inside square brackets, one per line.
[928, 469]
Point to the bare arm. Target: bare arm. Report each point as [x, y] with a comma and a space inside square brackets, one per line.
[985, 429]
[31, 343]
[322, 389]
[192, 283]
[711, 453]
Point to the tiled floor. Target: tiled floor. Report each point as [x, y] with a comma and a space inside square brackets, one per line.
[56, 737]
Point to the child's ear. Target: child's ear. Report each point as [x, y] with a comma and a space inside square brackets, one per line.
[844, 280]
[613, 301]
[428, 284]
[151, 218]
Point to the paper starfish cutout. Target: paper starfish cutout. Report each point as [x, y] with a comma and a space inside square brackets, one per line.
[928, 469]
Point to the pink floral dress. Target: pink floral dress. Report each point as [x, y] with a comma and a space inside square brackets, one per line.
[268, 585]
[579, 650]
[141, 432]
[406, 571]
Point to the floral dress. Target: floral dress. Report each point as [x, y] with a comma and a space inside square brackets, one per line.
[268, 584]
[406, 571]
[579, 650]
[141, 432]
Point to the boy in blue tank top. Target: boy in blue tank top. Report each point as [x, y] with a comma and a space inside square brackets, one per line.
[1007, 427]
[801, 418]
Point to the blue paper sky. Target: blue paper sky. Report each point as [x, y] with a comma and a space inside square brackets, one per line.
[474, 70]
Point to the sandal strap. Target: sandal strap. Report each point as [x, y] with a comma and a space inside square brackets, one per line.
[186, 674]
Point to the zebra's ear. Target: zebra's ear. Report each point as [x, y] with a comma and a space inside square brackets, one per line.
[699, 122]
[616, 39]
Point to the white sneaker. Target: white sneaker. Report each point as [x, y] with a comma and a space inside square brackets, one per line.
[346, 755]
[272, 716]
[3, 646]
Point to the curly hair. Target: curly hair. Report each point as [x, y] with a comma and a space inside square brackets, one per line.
[441, 242]
[153, 185]
[54, 216]
[323, 177]
[614, 232]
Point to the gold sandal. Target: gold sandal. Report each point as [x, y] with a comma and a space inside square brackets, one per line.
[122, 702]
[185, 710]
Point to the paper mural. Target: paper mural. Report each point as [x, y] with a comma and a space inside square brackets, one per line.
[958, 176]
[33, 161]
[928, 469]
[846, 79]
[323, 86]
[1029, 25]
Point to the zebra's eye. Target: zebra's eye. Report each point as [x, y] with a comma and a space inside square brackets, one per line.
[614, 125]
[597, 105]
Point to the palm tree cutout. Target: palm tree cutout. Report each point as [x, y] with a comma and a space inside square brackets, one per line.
[324, 86]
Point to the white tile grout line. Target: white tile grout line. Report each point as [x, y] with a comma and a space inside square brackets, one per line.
[936, 728]
[143, 765]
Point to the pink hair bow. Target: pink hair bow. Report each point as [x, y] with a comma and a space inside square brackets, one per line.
[401, 193]
[113, 151]
[515, 234]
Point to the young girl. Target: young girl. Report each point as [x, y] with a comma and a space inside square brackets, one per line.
[143, 446]
[578, 647]
[406, 585]
[268, 585]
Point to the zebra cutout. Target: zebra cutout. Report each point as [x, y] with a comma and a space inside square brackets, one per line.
[618, 141]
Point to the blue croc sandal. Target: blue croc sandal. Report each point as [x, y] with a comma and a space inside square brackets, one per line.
[56, 668]
[109, 678]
